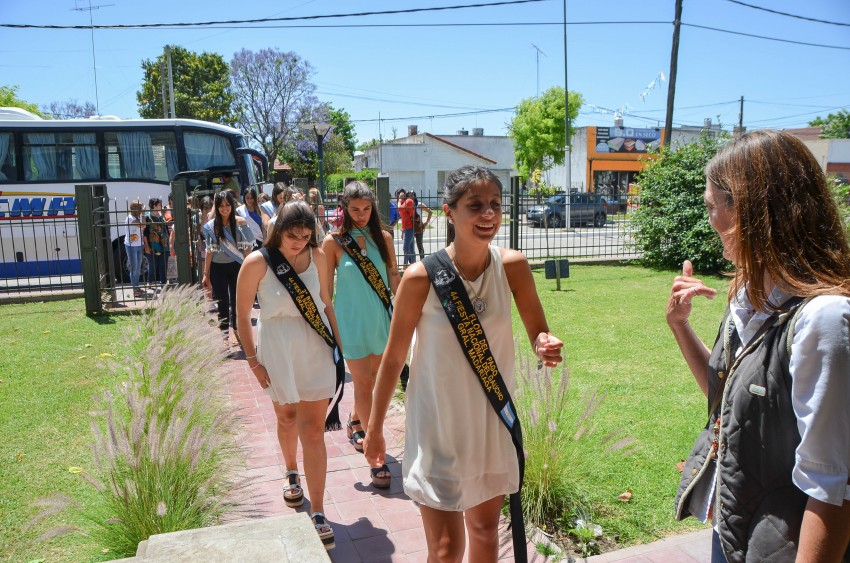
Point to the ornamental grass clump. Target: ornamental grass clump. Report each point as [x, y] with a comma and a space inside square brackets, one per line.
[165, 450]
[556, 430]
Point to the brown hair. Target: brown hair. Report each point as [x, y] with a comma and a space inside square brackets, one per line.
[359, 190]
[786, 223]
[458, 183]
[293, 214]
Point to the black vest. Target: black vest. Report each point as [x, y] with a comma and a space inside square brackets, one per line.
[758, 509]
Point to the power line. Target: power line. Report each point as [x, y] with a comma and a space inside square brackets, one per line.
[436, 116]
[262, 20]
[765, 37]
[787, 14]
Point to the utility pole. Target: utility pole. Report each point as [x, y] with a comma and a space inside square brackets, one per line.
[380, 147]
[162, 87]
[567, 166]
[741, 118]
[671, 85]
[93, 56]
[171, 81]
[539, 52]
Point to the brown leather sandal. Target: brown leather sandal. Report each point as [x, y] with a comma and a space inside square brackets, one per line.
[293, 495]
[381, 482]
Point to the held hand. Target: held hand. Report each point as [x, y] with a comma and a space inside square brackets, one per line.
[685, 288]
[548, 349]
[206, 282]
[375, 448]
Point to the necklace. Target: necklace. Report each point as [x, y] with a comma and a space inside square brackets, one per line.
[478, 304]
[361, 233]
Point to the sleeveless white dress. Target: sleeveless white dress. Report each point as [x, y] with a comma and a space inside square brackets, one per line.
[299, 363]
[457, 452]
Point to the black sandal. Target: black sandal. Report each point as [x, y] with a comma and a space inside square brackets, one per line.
[293, 495]
[326, 533]
[381, 482]
[356, 437]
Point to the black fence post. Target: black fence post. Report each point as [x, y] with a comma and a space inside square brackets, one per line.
[180, 215]
[382, 193]
[88, 254]
[514, 229]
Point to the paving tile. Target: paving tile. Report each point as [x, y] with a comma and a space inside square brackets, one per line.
[403, 520]
[410, 541]
[376, 548]
[344, 552]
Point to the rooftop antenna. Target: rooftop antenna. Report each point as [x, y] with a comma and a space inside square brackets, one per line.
[539, 52]
[89, 9]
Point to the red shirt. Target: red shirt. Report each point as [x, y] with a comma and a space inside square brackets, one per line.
[406, 213]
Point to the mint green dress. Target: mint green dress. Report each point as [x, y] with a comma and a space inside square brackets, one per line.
[364, 324]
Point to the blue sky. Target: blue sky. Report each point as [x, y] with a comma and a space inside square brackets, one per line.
[417, 75]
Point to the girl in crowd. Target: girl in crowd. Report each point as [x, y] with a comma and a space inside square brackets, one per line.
[770, 468]
[156, 241]
[314, 198]
[418, 224]
[250, 211]
[228, 241]
[269, 208]
[292, 362]
[459, 460]
[135, 231]
[364, 320]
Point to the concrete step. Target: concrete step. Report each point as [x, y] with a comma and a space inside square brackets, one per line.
[280, 539]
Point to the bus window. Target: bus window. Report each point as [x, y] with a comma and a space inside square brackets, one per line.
[8, 170]
[205, 150]
[141, 155]
[85, 158]
[44, 160]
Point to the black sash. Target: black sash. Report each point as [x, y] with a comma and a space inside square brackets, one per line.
[307, 307]
[367, 268]
[470, 335]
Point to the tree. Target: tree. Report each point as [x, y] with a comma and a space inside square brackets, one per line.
[835, 126]
[368, 145]
[202, 88]
[69, 109]
[274, 98]
[336, 155]
[671, 223]
[538, 129]
[9, 99]
[344, 128]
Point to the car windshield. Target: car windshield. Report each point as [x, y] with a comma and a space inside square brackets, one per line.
[555, 199]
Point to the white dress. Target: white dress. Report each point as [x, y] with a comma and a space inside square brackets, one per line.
[299, 363]
[457, 452]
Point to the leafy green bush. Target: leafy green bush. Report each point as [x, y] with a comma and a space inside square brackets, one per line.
[841, 193]
[165, 439]
[671, 223]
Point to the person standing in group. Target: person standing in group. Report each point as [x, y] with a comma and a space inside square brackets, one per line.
[135, 231]
[228, 240]
[291, 361]
[406, 210]
[269, 208]
[156, 241]
[771, 469]
[459, 462]
[360, 255]
[250, 211]
[418, 224]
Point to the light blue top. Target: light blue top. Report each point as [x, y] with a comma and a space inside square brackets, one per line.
[364, 324]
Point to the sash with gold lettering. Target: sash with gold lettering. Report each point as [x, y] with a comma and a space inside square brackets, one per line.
[307, 307]
[470, 335]
[367, 268]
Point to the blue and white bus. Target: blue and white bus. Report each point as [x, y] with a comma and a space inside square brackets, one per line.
[42, 160]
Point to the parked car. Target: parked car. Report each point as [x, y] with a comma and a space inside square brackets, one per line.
[585, 209]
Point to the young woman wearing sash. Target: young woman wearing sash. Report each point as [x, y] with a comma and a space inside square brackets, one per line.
[250, 211]
[269, 208]
[228, 240]
[364, 322]
[459, 460]
[292, 362]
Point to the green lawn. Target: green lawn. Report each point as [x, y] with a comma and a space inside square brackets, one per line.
[50, 370]
[610, 317]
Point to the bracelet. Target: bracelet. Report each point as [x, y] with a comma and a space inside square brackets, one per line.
[250, 357]
[250, 367]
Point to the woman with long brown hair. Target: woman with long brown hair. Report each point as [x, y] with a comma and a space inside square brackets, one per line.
[364, 322]
[770, 469]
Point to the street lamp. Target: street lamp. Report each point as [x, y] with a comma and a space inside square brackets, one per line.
[321, 130]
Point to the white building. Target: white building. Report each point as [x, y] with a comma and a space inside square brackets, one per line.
[421, 161]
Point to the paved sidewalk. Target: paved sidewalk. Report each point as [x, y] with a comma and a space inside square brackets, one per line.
[374, 525]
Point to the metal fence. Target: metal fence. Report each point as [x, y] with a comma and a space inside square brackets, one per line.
[47, 256]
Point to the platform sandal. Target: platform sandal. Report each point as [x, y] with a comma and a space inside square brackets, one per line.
[326, 533]
[355, 436]
[381, 482]
[292, 494]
